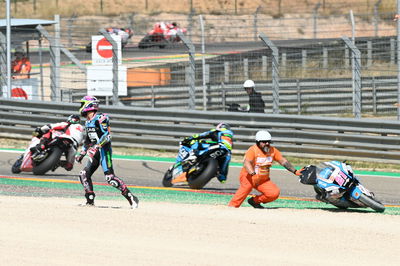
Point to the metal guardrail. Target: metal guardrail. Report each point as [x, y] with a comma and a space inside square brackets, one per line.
[162, 129]
[307, 96]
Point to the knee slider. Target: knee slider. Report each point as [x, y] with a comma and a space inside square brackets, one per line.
[112, 181]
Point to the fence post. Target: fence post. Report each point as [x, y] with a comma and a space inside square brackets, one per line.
[264, 67]
[55, 61]
[110, 39]
[3, 62]
[223, 90]
[298, 97]
[374, 102]
[315, 17]
[283, 64]
[325, 58]
[226, 72]
[153, 98]
[369, 53]
[303, 62]
[246, 68]
[356, 71]
[376, 17]
[398, 61]
[192, 65]
[255, 23]
[392, 51]
[203, 63]
[275, 72]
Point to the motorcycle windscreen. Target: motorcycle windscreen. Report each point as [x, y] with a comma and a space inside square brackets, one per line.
[309, 175]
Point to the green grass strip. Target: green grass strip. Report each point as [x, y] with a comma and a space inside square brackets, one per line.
[174, 195]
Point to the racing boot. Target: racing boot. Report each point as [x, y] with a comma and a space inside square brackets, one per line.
[90, 198]
[37, 149]
[254, 204]
[40, 146]
[132, 199]
[66, 165]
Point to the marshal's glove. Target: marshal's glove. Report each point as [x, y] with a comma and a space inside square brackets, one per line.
[298, 172]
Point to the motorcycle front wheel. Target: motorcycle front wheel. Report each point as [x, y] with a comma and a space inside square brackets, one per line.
[49, 162]
[207, 170]
[16, 167]
[167, 179]
[372, 203]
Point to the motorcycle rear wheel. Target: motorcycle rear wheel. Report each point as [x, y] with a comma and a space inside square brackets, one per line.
[48, 163]
[199, 180]
[372, 203]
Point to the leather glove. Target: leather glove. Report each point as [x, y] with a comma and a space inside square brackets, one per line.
[91, 152]
[298, 172]
[37, 133]
[79, 157]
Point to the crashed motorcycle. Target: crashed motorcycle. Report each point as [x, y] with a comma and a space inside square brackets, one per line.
[335, 183]
[50, 158]
[161, 35]
[195, 165]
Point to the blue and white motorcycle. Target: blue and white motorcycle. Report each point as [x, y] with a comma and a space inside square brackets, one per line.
[195, 164]
[335, 183]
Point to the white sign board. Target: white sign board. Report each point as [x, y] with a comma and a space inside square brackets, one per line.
[24, 89]
[102, 50]
[100, 80]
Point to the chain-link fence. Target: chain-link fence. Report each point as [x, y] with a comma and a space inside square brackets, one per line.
[307, 68]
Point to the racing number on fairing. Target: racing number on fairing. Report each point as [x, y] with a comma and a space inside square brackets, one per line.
[216, 154]
[183, 153]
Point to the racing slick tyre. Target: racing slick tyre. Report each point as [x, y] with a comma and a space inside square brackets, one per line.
[49, 162]
[167, 179]
[16, 167]
[373, 204]
[207, 170]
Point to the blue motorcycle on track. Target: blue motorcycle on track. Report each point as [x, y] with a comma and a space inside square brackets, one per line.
[195, 165]
[335, 183]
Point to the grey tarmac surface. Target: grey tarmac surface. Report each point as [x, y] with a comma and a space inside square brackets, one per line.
[150, 173]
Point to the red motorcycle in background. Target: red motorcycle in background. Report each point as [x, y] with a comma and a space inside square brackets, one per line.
[50, 158]
[161, 35]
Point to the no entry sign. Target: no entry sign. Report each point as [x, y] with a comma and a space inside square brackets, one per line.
[102, 50]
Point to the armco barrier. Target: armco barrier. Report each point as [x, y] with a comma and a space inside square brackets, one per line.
[305, 96]
[161, 129]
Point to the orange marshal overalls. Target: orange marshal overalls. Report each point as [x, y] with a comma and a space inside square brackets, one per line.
[260, 181]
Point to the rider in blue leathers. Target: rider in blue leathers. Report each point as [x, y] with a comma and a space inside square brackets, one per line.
[221, 134]
[97, 146]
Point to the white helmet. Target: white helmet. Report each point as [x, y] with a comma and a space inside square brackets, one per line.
[248, 84]
[263, 135]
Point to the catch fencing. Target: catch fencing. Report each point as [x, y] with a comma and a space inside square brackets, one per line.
[302, 76]
[162, 129]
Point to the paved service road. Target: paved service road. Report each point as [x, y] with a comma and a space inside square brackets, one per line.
[150, 173]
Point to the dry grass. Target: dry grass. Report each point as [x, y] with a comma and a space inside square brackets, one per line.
[276, 8]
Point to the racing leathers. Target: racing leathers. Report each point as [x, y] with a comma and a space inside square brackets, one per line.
[97, 146]
[224, 138]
